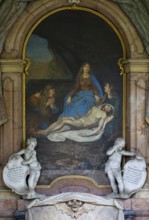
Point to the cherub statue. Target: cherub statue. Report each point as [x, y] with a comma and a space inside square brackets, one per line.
[113, 166]
[30, 159]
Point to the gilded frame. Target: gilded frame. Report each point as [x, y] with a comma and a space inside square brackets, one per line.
[77, 8]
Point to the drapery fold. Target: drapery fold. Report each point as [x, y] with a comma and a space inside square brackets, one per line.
[86, 206]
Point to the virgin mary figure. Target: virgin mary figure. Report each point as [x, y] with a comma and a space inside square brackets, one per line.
[85, 94]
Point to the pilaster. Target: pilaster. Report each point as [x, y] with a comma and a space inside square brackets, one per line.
[137, 76]
[12, 87]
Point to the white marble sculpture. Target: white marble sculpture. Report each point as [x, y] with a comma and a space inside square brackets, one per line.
[75, 205]
[134, 176]
[23, 170]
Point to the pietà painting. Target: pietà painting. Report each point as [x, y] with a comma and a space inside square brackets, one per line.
[74, 93]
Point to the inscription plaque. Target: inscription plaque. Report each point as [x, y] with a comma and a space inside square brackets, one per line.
[134, 175]
[14, 175]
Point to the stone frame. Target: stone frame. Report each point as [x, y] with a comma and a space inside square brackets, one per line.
[87, 160]
[135, 66]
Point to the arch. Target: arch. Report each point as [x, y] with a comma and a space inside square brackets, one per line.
[34, 12]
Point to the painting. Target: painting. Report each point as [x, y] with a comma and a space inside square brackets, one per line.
[74, 94]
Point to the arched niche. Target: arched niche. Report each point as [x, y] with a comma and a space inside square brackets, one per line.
[133, 51]
[33, 13]
[73, 36]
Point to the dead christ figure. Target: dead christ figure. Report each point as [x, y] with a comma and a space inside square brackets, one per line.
[81, 128]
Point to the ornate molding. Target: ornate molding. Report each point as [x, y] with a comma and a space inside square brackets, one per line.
[134, 65]
[40, 10]
[14, 65]
[27, 65]
[74, 1]
[122, 71]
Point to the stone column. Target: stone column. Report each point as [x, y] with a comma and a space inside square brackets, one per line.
[137, 130]
[11, 132]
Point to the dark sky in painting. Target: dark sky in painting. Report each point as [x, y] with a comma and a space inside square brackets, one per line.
[79, 36]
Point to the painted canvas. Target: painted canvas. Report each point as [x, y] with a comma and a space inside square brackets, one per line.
[74, 94]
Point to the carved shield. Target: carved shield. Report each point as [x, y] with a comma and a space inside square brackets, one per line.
[15, 174]
[134, 175]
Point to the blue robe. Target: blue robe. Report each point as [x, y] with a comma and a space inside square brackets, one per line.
[82, 102]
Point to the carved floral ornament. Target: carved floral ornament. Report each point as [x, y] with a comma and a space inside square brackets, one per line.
[74, 1]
